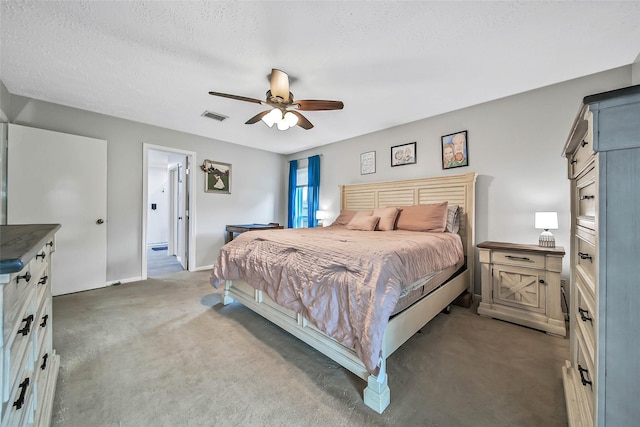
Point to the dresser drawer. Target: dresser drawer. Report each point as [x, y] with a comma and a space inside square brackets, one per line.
[519, 259]
[18, 350]
[583, 154]
[19, 408]
[586, 316]
[586, 190]
[585, 376]
[586, 258]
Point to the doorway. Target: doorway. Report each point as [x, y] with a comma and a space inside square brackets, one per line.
[167, 243]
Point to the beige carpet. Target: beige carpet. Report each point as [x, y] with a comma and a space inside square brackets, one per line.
[163, 352]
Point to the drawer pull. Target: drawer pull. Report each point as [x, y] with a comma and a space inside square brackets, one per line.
[584, 315]
[26, 276]
[542, 282]
[27, 325]
[587, 197]
[582, 378]
[42, 255]
[574, 161]
[518, 258]
[44, 362]
[583, 143]
[43, 281]
[50, 243]
[44, 320]
[23, 386]
[583, 255]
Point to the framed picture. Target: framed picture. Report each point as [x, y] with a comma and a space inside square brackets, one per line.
[217, 177]
[368, 163]
[404, 154]
[455, 152]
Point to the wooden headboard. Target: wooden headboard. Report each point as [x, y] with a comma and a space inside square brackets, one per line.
[455, 189]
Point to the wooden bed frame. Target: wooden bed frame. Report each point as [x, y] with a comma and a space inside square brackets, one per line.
[456, 189]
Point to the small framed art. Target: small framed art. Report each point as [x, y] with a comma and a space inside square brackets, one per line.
[368, 163]
[455, 152]
[404, 154]
[218, 177]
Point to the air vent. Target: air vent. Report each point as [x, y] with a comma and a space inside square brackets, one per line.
[214, 116]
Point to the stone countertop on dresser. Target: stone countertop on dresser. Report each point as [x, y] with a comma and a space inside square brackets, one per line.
[20, 243]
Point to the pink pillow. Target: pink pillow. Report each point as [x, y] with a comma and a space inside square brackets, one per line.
[344, 217]
[432, 217]
[363, 223]
[388, 218]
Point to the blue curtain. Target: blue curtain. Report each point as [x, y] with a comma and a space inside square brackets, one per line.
[313, 190]
[293, 178]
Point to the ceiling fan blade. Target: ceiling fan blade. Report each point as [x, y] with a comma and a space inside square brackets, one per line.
[236, 97]
[302, 120]
[257, 118]
[280, 84]
[318, 105]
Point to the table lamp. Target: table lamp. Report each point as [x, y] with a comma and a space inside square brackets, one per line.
[320, 216]
[547, 221]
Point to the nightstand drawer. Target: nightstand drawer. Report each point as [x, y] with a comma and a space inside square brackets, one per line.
[520, 259]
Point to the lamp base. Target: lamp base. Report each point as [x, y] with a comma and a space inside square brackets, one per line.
[547, 240]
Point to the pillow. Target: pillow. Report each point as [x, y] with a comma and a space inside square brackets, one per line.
[453, 219]
[388, 218]
[363, 223]
[344, 217]
[432, 217]
[360, 214]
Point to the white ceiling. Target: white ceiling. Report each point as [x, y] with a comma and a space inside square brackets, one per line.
[389, 62]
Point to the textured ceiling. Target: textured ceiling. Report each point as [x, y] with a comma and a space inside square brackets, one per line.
[389, 62]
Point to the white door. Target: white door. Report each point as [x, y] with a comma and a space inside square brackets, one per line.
[59, 178]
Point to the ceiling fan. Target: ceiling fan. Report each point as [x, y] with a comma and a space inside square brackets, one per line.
[285, 110]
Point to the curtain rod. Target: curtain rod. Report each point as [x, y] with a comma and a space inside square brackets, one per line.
[304, 158]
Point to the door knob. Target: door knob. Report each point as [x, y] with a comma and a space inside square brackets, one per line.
[100, 221]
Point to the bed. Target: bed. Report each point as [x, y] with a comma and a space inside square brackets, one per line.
[365, 349]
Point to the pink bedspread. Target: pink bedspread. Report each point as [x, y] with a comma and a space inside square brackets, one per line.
[345, 282]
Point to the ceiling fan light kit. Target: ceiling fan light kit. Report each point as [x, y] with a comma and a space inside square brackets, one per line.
[280, 99]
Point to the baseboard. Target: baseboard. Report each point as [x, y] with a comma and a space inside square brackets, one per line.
[204, 267]
[121, 281]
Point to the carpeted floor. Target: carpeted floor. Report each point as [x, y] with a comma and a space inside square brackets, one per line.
[163, 352]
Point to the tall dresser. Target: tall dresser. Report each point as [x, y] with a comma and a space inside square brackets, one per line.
[602, 377]
[28, 363]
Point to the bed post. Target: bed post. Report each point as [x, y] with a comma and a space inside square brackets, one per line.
[226, 298]
[377, 396]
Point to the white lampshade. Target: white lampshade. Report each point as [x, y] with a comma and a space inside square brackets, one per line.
[320, 215]
[272, 117]
[291, 119]
[546, 220]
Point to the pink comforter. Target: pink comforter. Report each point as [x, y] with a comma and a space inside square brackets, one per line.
[345, 282]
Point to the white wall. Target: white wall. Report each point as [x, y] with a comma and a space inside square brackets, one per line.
[515, 146]
[257, 180]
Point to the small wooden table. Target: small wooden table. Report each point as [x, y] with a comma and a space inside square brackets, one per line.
[241, 228]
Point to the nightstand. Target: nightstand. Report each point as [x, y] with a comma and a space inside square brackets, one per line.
[521, 284]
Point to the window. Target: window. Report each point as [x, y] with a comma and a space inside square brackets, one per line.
[300, 219]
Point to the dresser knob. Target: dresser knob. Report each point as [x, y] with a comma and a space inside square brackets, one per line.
[27, 325]
[26, 276]
[43, 280]
[44, 362]
[583, 255]
[23, 390]
[574, 161]
[582, 378]
[542, 282]
[583, 143]
[584, 315]
[42, 255]
[44, 320]
[587, 197]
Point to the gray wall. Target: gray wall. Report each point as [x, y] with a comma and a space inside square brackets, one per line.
[257, 188]
[515, 146]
